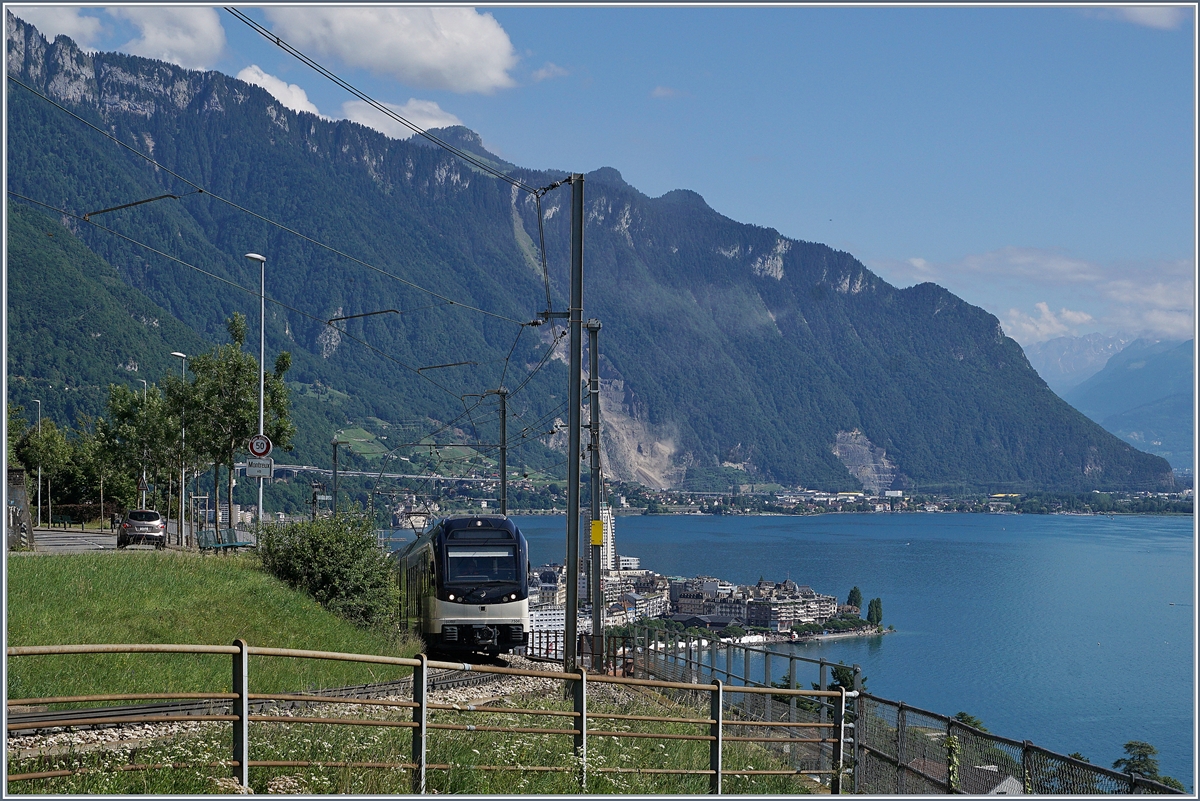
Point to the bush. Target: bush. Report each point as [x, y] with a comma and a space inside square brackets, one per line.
[336, 561]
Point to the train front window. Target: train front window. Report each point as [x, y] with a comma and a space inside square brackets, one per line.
[476, 564]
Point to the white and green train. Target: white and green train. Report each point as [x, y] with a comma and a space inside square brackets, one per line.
[464, 585]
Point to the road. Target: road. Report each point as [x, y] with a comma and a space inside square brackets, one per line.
[67, 540]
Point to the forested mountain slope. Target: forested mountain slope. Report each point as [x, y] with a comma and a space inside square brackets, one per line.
[723, 343]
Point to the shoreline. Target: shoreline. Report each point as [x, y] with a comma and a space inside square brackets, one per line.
[775, 637]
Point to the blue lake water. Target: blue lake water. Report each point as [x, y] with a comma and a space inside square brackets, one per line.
[1056, 629]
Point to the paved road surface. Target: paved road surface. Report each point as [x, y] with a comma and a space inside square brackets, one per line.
[66, 540]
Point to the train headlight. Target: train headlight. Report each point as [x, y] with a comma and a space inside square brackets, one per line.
[513, 596]
[451, 596]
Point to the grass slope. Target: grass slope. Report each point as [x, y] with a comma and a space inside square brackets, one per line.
[164, 597]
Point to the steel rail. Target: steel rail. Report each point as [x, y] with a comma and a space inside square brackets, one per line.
[72, 722]
[119, 715]
[504, 710]
[71, 699]
[324, 699]
[393, 724]
[499, 729]
[650, 718]
[706, 738]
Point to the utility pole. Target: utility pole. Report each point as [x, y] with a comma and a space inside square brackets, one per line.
[181, 539]
[571, 635]
[39, 492]
[145, 396]
[503, 393]
[335, 442]
[593, 328]
[262, 367]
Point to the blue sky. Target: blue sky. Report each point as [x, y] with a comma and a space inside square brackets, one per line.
[1039, 162]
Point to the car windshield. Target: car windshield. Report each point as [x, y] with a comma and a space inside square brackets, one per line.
[475, 564]
[144, 517]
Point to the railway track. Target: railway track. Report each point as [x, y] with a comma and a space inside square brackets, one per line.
[110, 716]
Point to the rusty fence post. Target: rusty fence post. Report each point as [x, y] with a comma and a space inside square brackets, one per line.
[839, 733]
[716, 712]
[860, 727]
[823, 684]
[579, 696]
[420, 717]
[241, 708]
[900, 721]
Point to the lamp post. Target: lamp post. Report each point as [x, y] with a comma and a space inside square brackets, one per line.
[145, 397]
[39, 490]
[182, 456]
[262, 331]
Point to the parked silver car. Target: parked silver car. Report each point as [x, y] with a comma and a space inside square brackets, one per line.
[144, 526]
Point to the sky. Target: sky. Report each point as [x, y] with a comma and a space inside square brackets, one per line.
[1038, 162]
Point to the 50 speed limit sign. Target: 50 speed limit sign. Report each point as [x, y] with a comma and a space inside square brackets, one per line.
[260, 446]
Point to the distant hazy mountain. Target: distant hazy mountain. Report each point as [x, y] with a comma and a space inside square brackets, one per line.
[1066, 362]
[1145, 395]
[724, 344]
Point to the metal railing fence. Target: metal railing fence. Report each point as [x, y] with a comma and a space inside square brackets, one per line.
[900, 749]
[896, 748]
[581, 721]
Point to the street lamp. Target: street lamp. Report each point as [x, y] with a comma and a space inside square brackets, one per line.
[39, 491]
[145, 395]
[182, 457]
[262, 331]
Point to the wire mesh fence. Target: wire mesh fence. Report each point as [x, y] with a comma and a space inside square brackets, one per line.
[902, 750]
[892, 748]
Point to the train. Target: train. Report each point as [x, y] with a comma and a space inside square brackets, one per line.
[464, 585]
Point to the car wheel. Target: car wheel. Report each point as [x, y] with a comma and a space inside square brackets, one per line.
[160, 546]
[121, 543]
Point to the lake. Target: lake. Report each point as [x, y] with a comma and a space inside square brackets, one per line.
[1073, 632]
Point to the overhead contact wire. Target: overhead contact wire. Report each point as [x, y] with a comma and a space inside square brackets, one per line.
[201, 190]
[236, 285]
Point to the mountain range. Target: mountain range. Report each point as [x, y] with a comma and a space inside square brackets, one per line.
[1145, 395]
[726, 349]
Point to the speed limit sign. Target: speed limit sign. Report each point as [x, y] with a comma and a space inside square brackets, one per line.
[260, 446]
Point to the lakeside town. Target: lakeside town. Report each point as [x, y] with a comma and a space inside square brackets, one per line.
[632, 594]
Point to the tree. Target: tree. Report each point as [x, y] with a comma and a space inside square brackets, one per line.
[49, 450]
[732, 632]
[1139, 758]
[138, 433]
[855, 598]
[16, 429]
[970, 720]
[875, 612]
[224, 404]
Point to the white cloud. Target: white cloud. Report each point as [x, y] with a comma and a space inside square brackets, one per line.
[53, 21]
[549, 70]
[425, 114]
[1161, 17]
[457, 49]
[187, 36]
[1027, 329]
[664, 91]
[289, 94]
